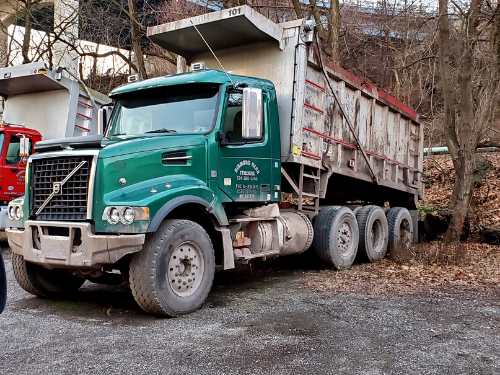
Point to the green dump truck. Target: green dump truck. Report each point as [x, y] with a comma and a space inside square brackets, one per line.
[203, 168]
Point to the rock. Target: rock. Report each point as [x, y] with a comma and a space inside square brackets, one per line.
[431, 227]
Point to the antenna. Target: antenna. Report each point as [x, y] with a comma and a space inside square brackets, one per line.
[211, 51]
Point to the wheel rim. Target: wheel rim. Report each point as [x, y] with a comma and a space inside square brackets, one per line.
[404, 234]
[185, 269]
[377, 236]
[344, 238]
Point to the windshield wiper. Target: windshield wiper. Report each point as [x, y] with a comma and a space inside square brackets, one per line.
[117, 134]
[162, 130]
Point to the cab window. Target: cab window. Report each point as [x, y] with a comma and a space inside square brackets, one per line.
[233, 121]
[234, 117]
[13, 156]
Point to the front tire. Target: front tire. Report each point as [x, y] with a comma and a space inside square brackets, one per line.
[42, 282]
[172, 275]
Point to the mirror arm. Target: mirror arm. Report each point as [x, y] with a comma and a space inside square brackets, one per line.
[222, 138]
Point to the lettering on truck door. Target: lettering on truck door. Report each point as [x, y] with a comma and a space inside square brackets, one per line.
[245, 167]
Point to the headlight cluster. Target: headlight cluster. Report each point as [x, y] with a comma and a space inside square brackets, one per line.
[15, 212]
[126, 215]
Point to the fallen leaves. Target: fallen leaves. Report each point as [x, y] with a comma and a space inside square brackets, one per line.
[479, 270]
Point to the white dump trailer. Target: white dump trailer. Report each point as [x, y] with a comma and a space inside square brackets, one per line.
[44, 100]
[39, 103]
[341, 138]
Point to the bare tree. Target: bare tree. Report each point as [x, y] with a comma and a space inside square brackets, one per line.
[471, 92]
[327, 22]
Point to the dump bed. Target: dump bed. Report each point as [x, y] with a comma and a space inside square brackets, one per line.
[313, 130]
[58, 107]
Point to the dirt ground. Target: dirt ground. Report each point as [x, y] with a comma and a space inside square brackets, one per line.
[278, 317]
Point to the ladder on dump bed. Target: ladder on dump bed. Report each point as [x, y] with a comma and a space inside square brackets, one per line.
[309, 187]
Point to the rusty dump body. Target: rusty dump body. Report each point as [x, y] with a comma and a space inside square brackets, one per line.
[315, 137]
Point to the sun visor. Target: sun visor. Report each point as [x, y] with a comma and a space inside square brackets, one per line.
[225, 29]
[27, 79]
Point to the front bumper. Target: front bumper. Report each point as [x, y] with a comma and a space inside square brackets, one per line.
[79, 248]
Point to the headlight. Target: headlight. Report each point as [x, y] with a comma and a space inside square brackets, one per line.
[18, 213]
[12, 212]
[113, 215]
[128, 215]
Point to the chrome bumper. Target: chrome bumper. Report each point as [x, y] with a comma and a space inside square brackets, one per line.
[80, 248]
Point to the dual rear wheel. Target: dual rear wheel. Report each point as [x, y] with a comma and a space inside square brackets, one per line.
[341, 235]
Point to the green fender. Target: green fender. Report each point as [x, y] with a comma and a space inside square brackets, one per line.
[161, 195]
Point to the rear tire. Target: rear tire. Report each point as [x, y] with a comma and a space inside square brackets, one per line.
[172, 275]
[373, 233]
[400, 227]
[356, 210]
[336, 236]
[42, 282]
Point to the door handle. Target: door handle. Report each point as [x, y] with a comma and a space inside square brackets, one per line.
[15, 169]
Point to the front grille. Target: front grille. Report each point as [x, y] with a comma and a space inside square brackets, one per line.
[71, 202]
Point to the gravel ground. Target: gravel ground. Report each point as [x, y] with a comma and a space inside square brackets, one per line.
[258, 320]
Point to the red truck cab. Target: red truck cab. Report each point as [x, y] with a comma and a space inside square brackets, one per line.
[13, 164]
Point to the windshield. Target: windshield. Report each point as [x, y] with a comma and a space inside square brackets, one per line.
[187, 108]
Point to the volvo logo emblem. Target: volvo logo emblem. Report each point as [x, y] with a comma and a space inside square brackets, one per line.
[57, 188]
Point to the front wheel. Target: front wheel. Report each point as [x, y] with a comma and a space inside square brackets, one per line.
[42, 282]
[173, 273]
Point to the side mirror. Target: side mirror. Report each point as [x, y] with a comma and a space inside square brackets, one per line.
[103, 118]
[252, 114]
[24, 147]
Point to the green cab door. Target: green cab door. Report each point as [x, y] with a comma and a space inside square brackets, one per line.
[247, 170]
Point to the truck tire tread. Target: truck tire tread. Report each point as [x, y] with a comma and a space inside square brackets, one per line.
[361, 217]
[365, 251]
[142, 283]
[394, 217]
[21, 275]
[323, 232]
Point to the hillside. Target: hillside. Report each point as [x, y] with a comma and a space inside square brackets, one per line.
[440, 177]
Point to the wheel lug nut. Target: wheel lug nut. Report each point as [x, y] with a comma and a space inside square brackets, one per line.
[190, 280]
[184, 283]
[177, 274]
[192, 273]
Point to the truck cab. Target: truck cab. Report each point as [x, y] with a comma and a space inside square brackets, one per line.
[13, 164]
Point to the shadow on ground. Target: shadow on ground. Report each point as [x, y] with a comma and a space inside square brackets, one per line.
[94, 301]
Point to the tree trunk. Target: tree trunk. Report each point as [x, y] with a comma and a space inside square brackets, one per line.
[461, 135]
[298, 9]
[330, 43]
[27, 33]
[461, 198]
[136, 40]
